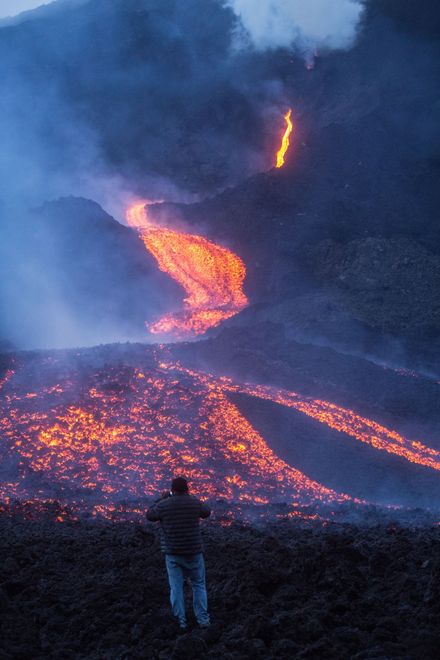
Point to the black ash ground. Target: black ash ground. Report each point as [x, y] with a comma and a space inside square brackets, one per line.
[95, 591]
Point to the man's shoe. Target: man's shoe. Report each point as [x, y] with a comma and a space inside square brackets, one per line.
[183, 627]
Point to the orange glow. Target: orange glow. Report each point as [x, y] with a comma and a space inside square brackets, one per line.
[211, 275]
[105, 439]
[8, 375]
[341, 419]
[102, 440]
[136, 215]
[285, 142]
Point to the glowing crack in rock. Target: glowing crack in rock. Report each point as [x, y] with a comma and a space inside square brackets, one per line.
[285, 142]
[211, 275]
[8, 375]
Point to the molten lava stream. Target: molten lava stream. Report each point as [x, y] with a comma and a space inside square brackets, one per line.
[335, 417]
[8, 375]
[285, 142]
[211, 275]
[106, 438]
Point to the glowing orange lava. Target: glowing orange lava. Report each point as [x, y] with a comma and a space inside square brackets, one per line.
[102, 439]
[338, 418]
[136, 215]
[211, 275]
[8, 375]
[116, 434]
[285, 142]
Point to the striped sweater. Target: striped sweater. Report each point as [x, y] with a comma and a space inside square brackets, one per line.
[179, 517]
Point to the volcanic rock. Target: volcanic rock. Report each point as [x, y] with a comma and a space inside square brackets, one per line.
[100, 590]
[393, 284]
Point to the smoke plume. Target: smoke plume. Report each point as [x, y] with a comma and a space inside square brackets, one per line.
[307, 26]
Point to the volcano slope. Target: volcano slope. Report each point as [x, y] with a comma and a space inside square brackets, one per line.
[99, 591]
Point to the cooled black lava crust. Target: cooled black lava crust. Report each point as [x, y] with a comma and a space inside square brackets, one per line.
[81, 590]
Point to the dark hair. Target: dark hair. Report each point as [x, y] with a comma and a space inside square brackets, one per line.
[179, 485]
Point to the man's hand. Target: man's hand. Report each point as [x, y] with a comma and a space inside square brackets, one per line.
[165, 494]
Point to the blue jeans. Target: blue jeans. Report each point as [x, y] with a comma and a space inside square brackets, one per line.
[192, 566]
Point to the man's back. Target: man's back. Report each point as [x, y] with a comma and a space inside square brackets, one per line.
[178, 513]
[179, 516]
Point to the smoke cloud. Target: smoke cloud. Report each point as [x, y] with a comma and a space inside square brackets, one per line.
[307, 26]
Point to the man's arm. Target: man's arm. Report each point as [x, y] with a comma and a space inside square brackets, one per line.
[153, 513]
[205, 510]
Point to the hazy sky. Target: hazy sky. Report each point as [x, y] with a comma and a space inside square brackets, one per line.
[13, 7]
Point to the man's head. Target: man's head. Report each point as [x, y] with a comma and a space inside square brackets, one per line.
[179, 485]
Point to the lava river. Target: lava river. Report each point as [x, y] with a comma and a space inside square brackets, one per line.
[285, 141]
[100, 432]
[94, 438]
[211, 275]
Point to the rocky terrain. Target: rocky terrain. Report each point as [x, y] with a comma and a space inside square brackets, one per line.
[98, 591]
[392, 284]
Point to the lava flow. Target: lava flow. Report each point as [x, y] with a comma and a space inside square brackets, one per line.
[285, 142]
[211, 275]
[335, 417]
[100, 430]
[100, 439]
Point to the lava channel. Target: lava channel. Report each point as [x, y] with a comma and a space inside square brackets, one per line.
[285, 142]
[211, 275]
[335, 417]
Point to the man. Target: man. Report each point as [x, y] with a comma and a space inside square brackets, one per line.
[181, 542]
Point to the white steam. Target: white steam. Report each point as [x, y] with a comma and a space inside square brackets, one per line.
[306, 25]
